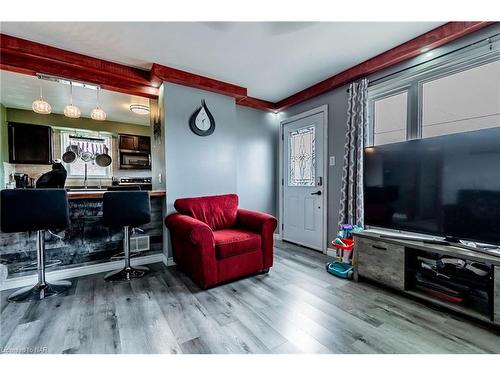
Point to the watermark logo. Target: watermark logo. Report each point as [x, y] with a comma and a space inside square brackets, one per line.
[25, 350]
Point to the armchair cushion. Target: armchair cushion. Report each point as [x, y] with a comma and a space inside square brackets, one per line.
[231, 242]
[218, 212]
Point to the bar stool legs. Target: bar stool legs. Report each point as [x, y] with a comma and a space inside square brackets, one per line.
[128, 272]
[42, 289]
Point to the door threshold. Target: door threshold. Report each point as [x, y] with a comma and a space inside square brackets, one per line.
[303, 246]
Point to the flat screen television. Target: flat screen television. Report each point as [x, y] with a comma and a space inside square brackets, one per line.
[30, 144]
[446, 186]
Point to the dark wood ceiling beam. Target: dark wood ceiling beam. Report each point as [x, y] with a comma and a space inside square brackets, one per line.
[160, 73]
[430, 40]
[255, 103]
[27, 57]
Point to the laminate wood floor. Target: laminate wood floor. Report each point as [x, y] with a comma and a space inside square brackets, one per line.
[296, 308]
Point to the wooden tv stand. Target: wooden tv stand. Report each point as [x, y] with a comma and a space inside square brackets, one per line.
[389, 262]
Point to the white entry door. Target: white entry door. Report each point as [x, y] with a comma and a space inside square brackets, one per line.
[303, 181]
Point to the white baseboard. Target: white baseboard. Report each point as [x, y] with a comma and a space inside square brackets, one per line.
[331, 252]
[18, 282]
[168, 261]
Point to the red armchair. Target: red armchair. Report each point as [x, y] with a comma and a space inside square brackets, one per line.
[214, 241]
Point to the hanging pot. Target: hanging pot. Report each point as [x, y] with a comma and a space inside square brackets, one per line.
[70, 155]
[74, 148]
[103, 159]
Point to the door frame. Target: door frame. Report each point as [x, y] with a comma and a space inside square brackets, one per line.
[323, 109]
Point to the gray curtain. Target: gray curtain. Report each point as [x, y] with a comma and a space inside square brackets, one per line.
[351, 195]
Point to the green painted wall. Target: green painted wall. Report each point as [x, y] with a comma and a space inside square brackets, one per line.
[30, 117]
[4, 144]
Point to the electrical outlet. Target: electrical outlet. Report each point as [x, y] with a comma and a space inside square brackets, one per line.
[332, 161]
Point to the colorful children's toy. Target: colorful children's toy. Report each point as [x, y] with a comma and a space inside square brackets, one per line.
[340, 269]
[344, 244]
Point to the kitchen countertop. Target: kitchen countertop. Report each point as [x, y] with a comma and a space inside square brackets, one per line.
[97, 194]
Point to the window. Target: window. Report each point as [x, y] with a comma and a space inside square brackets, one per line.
[93, 143]
[455, 93]
[464, 101]
[390, 114]
[302, 157]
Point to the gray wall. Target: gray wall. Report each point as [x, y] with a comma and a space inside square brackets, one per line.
[239, 157]
[337, 124]
[257, 173]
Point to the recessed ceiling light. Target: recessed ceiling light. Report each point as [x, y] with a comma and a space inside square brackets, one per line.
[139, 109]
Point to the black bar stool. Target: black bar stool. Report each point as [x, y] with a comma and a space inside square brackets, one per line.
[26, 210]
[126, 209]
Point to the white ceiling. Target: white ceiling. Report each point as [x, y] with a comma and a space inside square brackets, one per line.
[272, 59]
[19, 91]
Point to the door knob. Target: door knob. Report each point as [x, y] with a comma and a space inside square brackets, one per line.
[317, 193]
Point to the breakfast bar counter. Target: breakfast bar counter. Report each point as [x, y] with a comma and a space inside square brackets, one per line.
[86, 241]
[97, 194]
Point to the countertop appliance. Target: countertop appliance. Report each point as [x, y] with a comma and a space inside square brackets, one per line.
[144, 182]
[23, 181]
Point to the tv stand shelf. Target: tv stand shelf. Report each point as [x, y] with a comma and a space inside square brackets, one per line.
[391, 262]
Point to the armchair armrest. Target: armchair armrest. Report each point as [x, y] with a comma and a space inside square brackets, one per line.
[189, 228]
[263, 224]
[255, 221]
[193, 248]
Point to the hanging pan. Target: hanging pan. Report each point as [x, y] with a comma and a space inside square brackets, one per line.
[103, 159]
[71, 154]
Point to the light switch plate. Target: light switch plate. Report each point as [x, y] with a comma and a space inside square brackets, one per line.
[332, 161]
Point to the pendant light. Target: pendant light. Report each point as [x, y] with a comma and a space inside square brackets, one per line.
[41, 106]
[97, 113]
[71, 110]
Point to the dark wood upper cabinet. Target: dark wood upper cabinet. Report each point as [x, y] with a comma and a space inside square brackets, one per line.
[135, 143]
[30, 144]
[144, 144]
[127, 142]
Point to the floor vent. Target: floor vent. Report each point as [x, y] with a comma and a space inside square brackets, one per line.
[139, 243]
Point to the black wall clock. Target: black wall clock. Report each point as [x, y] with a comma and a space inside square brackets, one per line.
[201, 121]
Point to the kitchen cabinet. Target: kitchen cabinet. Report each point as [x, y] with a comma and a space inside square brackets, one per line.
[135, 151]
[135, 143]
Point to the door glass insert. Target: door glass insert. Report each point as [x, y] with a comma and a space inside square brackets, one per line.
[302, 156]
